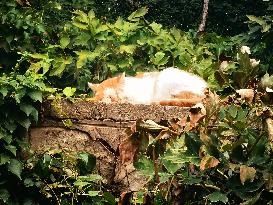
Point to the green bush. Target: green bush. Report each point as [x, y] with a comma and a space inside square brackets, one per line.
[43, 55]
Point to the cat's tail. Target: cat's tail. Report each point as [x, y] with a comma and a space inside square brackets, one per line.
[182, 102]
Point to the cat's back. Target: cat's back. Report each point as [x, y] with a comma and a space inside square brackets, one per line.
[172, 81]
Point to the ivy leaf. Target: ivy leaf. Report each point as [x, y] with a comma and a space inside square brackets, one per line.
[35, 115]
[247, 173]
[4, 91]
[12, 149]
[19, 94]
[68, 91]
[26, 108]
[36, 96]
[4, 195]
[217, 197]
[145, 166]
[6, 137]
[15, 167]
[137, 14]
[25, 122]
[28, 182]
[4, 159]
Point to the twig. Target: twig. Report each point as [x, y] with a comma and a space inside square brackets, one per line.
[157, 179]
[202, 25]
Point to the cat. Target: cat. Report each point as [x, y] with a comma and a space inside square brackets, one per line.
[170, 86]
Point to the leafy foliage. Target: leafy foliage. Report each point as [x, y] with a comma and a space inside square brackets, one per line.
[226, 159]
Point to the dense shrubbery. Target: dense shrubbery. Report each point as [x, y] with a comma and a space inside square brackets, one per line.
[227, 158]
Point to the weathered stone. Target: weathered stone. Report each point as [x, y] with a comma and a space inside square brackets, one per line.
[98, 128]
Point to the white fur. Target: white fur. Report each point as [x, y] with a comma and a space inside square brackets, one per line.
[161, 86]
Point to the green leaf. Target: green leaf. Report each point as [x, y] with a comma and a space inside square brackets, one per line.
[93, 193]
[87, 162]
[59, 66]
[171, 165]
[80, 25]
[81, 16]
[64, 41]
[4, 158]
[19, 94]
[36, 96]
[84, 55]
[6, 137]
[110, 198]
[28, 182]
[15, 167]
[232, 110]
[82, 39]
[4, 195]
[68, 91]
[156, 27]
[25, 122]
[127, 49]
[81, 184]
[137, 14]
[12, 149]
[91, 14]
[217, 197]
[160, 59]
[26, 108]
[35, 115]
[145, 166]
[90, 178]
[3, 90]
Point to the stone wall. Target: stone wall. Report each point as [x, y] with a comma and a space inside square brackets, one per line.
[97, 128]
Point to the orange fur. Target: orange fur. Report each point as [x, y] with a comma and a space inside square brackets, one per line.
[183, 99]
[115, 83]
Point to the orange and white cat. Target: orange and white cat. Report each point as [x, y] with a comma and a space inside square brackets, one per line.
[168, 87]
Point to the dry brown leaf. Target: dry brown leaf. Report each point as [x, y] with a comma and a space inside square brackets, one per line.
[191, 121]
[246, 94]
[128, 149]
[204, 137]
[247, 173]
[208, 162]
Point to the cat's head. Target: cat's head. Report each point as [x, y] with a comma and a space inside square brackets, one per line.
[109, 90]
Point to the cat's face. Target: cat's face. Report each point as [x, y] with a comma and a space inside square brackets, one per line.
[109, 90]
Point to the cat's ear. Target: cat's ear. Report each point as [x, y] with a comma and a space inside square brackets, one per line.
[121, 77]
[93, 86]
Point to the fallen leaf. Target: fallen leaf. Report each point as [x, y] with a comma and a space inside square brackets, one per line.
[128, 149]
[247, 173]
[246, 94]
[208, 162]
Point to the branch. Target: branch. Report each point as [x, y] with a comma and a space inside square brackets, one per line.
[201, 28]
